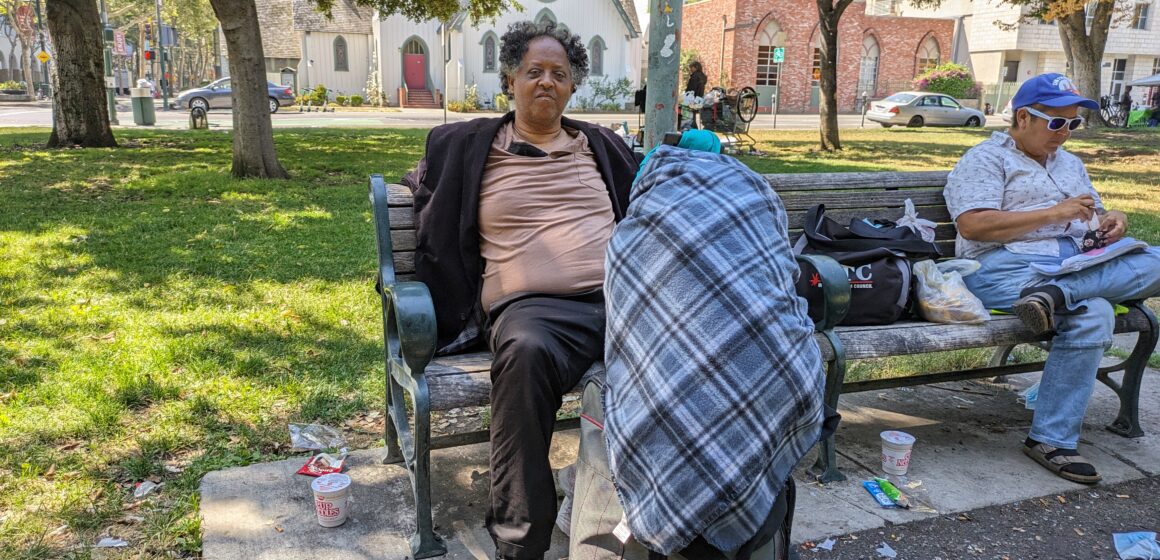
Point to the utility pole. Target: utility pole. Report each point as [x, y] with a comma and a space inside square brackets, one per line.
[110, 81]
[44, 65]
[664, 70]
[163, 81]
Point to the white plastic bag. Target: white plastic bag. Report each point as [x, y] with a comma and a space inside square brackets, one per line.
[944, 298]
[910, 219]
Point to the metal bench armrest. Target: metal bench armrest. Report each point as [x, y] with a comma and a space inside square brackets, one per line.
[409, 324]
[835, 290]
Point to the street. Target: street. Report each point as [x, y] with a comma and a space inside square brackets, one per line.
[31, 114]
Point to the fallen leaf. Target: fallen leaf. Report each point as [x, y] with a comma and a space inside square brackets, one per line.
[965, 517]
[1078, 531]
[277, 528]
[1020, 529]
[1123, 496]
[50, 473]
[1061, 499]
[69, 446]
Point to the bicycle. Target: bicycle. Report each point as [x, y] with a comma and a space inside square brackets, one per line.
[1113, 112]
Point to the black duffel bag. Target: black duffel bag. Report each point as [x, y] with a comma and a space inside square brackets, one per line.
[877, 257]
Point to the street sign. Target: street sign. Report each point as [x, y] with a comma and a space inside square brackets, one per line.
[43, 57]
[779, 54]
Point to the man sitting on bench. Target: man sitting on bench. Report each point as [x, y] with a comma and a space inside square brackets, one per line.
[1019, 199]
[513, 216]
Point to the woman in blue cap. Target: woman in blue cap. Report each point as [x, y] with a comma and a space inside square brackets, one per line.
[1020, 199]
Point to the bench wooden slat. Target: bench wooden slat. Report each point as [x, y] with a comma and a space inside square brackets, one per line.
[404, 262]
[465, 379]
[399, 195]
[402, 217]
[472, 387]
[843, 216]
[785, 182]
[875, 200]
[915, 337]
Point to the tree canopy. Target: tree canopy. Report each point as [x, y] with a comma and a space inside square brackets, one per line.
[442, 10]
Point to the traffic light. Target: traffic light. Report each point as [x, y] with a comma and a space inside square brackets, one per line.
[148, 32]
[150, 55]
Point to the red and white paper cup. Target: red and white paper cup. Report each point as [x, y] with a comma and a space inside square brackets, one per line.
[896, 447]
[331, 498]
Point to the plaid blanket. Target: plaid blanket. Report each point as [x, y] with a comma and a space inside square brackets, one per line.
[714, 381]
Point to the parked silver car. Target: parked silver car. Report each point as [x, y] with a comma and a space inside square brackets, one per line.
[918, 108]
[216, 95]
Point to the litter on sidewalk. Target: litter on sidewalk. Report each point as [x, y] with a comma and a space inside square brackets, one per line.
[1136, 546]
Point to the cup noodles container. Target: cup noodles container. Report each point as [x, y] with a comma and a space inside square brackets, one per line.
[896, 447]
[331, 498]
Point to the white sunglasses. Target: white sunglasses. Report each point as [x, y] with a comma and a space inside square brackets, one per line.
[1054, 124]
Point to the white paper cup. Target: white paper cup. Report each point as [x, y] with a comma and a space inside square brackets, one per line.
[896, 447]
[331, 498]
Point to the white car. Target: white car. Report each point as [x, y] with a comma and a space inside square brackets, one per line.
[1006, 114]
[920, 108]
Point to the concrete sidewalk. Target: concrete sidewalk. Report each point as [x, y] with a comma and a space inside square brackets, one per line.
[967, 457]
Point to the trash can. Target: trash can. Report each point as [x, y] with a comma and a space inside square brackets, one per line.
[143, 111]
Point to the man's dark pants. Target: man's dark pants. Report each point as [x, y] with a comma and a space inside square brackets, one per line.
[542, 346]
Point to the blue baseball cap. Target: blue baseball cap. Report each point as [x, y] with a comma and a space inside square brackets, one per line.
[1052, 90]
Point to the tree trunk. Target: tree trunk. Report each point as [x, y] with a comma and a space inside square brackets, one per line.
[81, 115]
[829, 14]
[1085, 52]
[254, 154]
[26, 61]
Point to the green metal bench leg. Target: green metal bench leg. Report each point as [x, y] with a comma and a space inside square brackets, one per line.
[416, 451]
[1127, 423]
[390, 433]
[827, 463]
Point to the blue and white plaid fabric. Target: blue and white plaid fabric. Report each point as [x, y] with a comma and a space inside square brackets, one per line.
[714, 381]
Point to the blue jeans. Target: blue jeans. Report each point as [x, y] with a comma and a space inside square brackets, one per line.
[1083, 330]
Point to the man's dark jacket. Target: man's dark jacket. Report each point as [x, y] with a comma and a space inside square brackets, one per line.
[446, 189]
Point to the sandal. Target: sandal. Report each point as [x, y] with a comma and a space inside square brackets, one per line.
[1037, 311]
[1056, 464]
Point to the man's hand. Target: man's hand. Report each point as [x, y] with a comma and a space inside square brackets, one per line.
[1078, 208]
[1114, 225]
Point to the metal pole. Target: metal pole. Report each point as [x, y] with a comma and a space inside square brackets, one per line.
[865, 105]
[721, 65]
[446, 60]
[44, 65]
[110, 97]
[163, 81]
[664, 68]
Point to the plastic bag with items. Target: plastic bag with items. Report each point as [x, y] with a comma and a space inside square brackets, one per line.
[910, 219]
[943, 297]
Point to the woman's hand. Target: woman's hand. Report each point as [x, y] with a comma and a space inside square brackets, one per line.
[1114, 225]
[1072, 209]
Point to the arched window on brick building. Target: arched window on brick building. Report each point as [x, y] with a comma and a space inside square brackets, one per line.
[928, 55]
[769, 40]
[868, 70]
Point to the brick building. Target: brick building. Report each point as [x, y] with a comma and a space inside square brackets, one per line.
[877, 52]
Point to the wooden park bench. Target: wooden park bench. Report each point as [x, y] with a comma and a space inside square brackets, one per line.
[418, 383]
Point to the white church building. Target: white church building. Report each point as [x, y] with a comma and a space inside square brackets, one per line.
[410, 56]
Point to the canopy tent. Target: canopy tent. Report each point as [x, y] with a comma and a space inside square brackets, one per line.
[1150, 81]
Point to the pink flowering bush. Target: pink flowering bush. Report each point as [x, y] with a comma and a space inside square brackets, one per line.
[948, 79]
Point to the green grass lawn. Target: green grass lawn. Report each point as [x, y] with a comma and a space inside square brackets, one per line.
[160, 319]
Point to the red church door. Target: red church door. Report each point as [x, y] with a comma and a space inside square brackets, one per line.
[415, 65]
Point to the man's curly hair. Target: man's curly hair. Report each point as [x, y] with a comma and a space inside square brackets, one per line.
[514, 45]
